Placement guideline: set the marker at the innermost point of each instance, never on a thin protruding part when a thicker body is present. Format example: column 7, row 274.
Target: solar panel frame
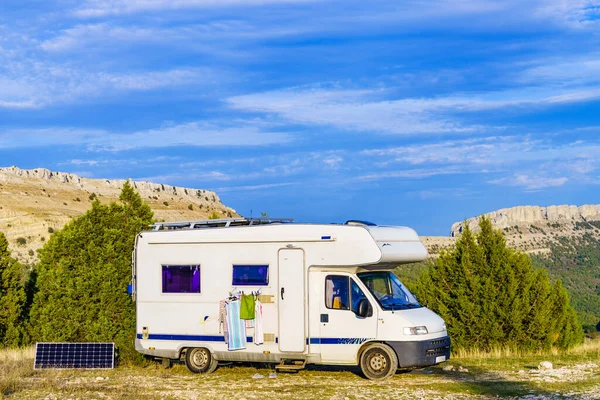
column 84, row 355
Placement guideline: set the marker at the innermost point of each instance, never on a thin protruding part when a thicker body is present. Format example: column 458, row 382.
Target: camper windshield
column 388, row 290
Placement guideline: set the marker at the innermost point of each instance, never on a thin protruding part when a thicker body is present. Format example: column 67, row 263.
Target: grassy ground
column 576, row 374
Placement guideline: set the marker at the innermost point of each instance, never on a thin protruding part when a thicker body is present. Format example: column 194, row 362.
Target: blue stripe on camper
column 338, row 340
column 249, row 339
column 199, row 338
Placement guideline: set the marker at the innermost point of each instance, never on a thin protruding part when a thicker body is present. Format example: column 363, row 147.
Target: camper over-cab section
column 270, row 290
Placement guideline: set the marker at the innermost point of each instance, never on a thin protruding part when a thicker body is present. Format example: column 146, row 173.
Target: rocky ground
column 571, row 376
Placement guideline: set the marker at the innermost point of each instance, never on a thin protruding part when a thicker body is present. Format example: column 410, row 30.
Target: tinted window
column 181, row 279
column 336, row 292
column 250, row 275
column 356, row 295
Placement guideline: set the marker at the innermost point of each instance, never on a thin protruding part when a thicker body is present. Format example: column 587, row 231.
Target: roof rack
column 218, row 223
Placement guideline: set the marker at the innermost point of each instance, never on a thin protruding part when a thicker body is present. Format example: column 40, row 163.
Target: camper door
column 342, row 330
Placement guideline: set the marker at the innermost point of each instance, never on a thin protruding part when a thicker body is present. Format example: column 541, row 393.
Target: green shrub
column 83, row 274
column 491, row 296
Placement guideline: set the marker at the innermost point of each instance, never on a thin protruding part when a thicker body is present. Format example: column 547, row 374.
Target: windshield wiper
column 404, row 306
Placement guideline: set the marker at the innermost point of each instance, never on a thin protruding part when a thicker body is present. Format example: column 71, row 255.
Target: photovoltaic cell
column 74, row 355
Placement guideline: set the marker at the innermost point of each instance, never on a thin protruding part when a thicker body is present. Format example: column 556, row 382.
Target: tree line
column 488, row 294
column 78, row 290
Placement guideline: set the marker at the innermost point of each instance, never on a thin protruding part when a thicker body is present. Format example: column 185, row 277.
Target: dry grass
column 15, row 364
column 494, row 375
column 589, row 346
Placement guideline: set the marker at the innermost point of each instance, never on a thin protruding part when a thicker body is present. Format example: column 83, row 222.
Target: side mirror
column 364, row 309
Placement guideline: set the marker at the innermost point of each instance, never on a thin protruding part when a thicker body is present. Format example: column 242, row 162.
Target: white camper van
column 265, row 290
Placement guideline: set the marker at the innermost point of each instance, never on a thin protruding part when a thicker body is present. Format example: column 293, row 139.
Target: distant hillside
column 34, row 203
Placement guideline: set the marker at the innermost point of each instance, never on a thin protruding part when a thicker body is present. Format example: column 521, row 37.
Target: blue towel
column 236, row 328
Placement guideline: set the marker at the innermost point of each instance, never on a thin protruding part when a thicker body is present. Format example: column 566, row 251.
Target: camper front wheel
column 378, row 361
column 200, row 361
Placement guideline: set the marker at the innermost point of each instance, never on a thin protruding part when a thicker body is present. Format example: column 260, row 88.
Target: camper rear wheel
column 200, row 361
column 378, row 361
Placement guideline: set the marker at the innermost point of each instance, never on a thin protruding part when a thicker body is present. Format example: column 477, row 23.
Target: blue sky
column 417, row 113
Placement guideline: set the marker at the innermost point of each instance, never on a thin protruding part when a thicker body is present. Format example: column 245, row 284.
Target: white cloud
column 100, row 8
column 253, row 187
column 36, row 84
column 196, row 134
column 364, row 110
column 531, row 182
column 214, row 38
column 577, row 72
column 420, row 173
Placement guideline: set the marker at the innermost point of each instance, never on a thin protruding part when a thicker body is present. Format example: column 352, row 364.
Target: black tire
column 378, row 362
column 200, row 361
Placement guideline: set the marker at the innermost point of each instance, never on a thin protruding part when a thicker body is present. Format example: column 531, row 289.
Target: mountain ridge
column 35, row 202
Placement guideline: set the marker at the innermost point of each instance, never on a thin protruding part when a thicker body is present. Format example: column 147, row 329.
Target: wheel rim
column 378, row 362
column 200, row 358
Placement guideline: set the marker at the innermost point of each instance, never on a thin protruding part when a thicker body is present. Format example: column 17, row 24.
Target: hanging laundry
column 249, row 323
column 235, row 327
column 259, row 336
column 247, row 306
column 223, row 319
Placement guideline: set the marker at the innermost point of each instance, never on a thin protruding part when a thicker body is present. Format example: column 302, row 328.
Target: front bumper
column 421, row 353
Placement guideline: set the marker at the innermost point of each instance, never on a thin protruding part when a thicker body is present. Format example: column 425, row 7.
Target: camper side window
column 181, row 279
column 250, row 275
column 336, row 292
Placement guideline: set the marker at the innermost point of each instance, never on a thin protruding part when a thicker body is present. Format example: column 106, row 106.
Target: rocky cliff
column 34, row 203
column 533, row 215
column 531, row 229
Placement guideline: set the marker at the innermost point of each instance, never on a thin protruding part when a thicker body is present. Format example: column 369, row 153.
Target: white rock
column 448, row 368
column 545, row 365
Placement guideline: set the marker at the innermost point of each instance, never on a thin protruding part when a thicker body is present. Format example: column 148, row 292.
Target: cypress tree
column 491, row 296
column 12, row 297
column 83, row 274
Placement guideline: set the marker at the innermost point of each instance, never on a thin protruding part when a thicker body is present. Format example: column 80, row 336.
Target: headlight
column 444, row 327
column 416, row 330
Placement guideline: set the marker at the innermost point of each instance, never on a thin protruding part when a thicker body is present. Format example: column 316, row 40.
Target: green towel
column 247, row 307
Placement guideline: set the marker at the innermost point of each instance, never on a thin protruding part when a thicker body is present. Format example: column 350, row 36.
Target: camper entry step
column 291, row 365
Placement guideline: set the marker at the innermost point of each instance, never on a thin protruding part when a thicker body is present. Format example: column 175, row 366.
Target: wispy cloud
column 253, row 187
column 100, row 8
column 195, row 134
column 212, row 38
column 365, row 110
column 35, row 85
column 531, row 182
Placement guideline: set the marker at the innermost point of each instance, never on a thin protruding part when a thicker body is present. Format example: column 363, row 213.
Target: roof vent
column 359, row 223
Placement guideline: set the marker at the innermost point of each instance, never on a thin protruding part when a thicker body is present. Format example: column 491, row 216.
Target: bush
column 21, row 241
column 491, row 296
column 83, row 274
column 12, row 298
column 191, row 207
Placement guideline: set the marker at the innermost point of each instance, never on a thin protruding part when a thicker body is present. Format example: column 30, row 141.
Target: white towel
column 259, row 336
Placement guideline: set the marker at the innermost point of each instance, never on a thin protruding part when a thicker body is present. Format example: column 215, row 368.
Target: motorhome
column 275, row 291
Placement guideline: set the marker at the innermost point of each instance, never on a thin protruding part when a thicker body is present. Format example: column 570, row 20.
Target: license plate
column 440, row 359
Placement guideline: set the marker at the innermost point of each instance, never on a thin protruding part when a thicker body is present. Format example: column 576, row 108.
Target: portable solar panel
column 74, row 355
